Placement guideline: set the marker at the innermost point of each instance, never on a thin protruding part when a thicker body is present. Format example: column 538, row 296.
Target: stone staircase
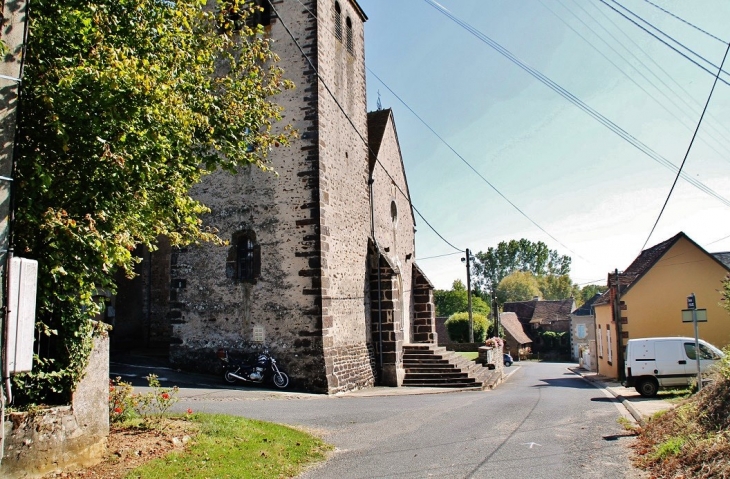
column 428, row 365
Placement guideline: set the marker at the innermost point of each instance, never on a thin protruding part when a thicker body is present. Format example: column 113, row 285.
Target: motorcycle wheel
column 281, row 380
column 229, row 379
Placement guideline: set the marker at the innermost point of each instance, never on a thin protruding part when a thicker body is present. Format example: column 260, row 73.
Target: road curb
column 638, row 417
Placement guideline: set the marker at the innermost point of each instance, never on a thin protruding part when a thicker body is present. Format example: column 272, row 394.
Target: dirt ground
column 130, row 448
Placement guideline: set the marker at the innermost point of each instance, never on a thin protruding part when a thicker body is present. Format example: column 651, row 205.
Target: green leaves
column 126, row 104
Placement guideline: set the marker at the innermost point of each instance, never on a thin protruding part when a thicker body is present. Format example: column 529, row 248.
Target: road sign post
column 692, row 305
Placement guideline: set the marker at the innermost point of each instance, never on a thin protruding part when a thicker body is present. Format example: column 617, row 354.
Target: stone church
column 320, row 266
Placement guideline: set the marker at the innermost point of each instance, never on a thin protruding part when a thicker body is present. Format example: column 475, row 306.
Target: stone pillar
column 384, row 314
column 424, row 310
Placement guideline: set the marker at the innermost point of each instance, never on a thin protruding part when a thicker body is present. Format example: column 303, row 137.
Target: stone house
column 515, row 339
column 538, row 316
column 647, row 299
column 320, row 266
column 583, row 328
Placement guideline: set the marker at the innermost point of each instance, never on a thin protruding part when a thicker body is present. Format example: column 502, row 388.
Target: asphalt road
column 544, row 421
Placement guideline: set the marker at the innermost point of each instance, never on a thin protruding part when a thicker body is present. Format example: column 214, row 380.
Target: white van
column 652, row 363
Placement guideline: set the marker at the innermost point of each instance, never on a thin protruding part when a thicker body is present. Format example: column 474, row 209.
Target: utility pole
column 468, row 293
column 619, row 330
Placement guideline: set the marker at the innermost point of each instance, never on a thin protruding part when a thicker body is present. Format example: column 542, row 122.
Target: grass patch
column 236, row 447
column 470, row 355
column 670, row 447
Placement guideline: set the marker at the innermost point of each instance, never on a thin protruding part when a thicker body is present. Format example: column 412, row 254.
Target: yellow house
column 653, row 292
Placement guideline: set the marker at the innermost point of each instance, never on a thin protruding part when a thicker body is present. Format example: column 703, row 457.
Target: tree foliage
column 457, row 327
column 554, row 287
column 590, row 290
column 518, row 286
column 457, row 301
column 492, row 266
column 125, row 105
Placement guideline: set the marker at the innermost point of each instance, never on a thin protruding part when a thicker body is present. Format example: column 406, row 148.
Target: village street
column 544, row 421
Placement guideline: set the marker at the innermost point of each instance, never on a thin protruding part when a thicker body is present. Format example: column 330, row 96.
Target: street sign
column 691, row 304
column 701, row 315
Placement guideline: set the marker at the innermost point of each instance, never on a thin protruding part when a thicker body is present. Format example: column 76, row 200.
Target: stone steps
column 428, row 365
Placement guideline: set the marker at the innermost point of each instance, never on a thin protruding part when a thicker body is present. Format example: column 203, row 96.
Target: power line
column 717, row 241
column 676, row 178
column 665, row 43
column 577, row 102
column 635, row 46
column 448, row 145
column 352, row 124
column 440, row 256
column 682, row 121
column 686, row 22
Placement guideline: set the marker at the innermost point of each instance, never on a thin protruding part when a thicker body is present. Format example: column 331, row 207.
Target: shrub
column 152, row 406
column 458, row 327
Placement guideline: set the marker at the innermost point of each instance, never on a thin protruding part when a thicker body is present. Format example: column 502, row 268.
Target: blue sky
column 594, row 192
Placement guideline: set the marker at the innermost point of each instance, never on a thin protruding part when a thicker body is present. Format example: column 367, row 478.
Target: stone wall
column 61, row 437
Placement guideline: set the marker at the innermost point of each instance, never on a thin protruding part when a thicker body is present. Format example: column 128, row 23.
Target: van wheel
column 647, row 387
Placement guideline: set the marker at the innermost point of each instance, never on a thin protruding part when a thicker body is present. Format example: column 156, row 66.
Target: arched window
column 338, row 21
column 248, row 257
column 350, row 46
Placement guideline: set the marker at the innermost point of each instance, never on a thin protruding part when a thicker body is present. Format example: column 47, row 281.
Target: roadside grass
column 693, row 438
column 470, row 355
column 236, row 447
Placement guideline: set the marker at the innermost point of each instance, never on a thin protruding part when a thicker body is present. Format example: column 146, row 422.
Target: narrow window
column 338, row 21
column 248, row 258
column 608, row 346
column 599, row 338
column 350, row 47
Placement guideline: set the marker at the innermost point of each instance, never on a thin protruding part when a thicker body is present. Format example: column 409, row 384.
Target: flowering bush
column 121, row 401
column 495, row 342
column 151, row 406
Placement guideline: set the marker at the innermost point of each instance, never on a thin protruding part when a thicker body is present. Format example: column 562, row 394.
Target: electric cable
column 694, row 108
column 578, row 102
column 676, row 178
column 448, row 145
column 686, row 22
column 689, row 125
column 352, row 124
column 662, row 41
column 718, row 240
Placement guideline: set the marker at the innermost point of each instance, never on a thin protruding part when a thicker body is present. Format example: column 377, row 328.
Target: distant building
column 538, row 316
column 583, row 329
column 515, row 339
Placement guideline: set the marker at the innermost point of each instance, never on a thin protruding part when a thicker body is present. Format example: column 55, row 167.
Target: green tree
column 492, row 266
column 125, row 105
column 517, row 286
column 456, row 301
column 554, row 287
column 590, row 290
column 458, row 327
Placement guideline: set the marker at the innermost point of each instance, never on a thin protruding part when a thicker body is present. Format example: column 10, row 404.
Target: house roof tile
column 513, row 327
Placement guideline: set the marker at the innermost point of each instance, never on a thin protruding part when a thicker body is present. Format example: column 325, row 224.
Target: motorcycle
column 263, row 369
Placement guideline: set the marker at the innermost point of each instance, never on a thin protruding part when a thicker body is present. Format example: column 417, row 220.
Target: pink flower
column 190, row 411
column 165, row 396
column 118, row 410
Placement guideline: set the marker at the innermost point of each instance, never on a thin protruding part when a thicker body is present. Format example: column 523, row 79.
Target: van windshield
column 705, row 352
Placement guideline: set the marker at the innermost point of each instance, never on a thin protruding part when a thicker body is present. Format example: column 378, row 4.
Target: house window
column 599, row 338
column 252, row 12
column 261, row 14
column 350, row 46
column 338, row 21
column 609, row 349
column 248, row 258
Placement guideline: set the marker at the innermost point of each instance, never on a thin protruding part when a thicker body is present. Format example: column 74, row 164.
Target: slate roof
column 541, row 312
column 513, row 327
column 377, row 121
column 723, row 258
column 586, row 308
column 647, row 259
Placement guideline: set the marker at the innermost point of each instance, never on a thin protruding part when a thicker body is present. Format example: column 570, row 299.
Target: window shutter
column 256, row 261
